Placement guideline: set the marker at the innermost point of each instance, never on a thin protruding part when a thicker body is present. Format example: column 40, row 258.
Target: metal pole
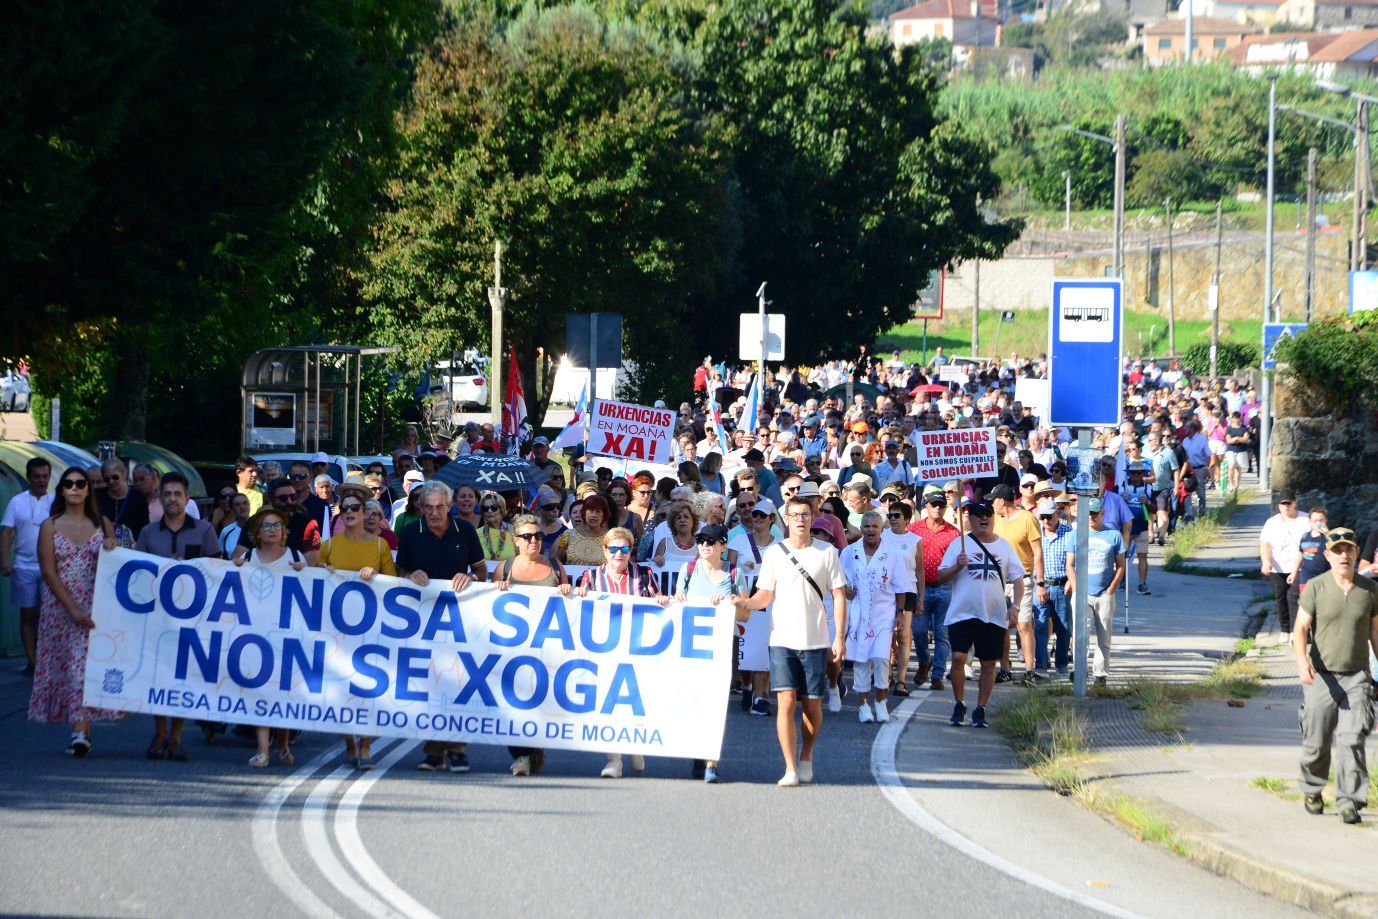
column 497, row 302
column 1190, row 37
column 765, row 337
column 1067, row 219
column 1361, row 168
column 1080, row 608
column 976, row 314
column 1171, row 289
column 1310, row 232
column 925, row 343
column 1266, row 416
column 1119, row 196
column 1214, row 295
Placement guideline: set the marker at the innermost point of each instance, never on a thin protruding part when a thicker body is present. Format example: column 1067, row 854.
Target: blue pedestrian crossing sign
column 1273, row 332
column 1085, row 352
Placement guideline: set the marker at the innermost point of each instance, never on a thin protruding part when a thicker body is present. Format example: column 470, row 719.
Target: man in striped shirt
column 1050, row 599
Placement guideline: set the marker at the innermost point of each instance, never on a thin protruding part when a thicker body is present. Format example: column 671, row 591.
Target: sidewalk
column 1202, row 783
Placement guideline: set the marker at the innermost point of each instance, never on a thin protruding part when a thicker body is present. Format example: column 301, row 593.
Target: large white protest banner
column 632, row 432
column 964, row 453
column 326, row 651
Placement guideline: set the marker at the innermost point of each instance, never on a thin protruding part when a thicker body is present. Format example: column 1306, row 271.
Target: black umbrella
column 492, row 471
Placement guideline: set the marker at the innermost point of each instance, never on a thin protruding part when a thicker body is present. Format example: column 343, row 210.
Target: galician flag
column 573, row 434
column 514, row 405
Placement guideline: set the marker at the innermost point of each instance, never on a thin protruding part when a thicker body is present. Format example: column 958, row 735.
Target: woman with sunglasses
column 374, row 523
column 69, row 543
column 642, row 504
column 268, row 533
column 494, row 535
column 530, row 567
column 582, row 543
column 617, row 575
column 705, row 576
column 221, row 513
column 377, row 484
column 355, row 549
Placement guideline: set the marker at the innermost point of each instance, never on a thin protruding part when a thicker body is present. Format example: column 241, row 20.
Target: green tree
column 1090, row 163
column 567, row 138
column 851, row 186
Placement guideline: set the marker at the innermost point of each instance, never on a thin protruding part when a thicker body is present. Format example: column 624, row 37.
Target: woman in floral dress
column 69, row 543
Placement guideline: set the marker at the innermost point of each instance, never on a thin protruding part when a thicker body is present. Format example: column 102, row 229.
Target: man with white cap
column 540, row 453
column 410, row 480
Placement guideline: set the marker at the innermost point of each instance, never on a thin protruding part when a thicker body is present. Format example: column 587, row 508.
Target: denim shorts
column 804, row 673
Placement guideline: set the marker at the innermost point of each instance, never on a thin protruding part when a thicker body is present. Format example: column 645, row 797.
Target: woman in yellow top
column 355, row 549
column 495, row 535
column 582, row 544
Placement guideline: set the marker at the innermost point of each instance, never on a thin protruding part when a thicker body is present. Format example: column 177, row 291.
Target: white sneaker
column 806, row 772
column 863, row 713
column 521, row 765
column 788, row 780
column 834, row 700
column 882, row 712
column 637, row 762
column 613, row 770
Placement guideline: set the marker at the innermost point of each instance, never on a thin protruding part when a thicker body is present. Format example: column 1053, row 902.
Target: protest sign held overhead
column 965, row 453
column 634, row 432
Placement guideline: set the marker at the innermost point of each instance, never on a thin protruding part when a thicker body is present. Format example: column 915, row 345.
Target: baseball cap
column 935, row 497
column 541, row 440
column 1046, row 508
column 713, row 532
column 1028, row 478
column 897, row 490
column 413, row 475
column 320, row 458
column 754, row 456
column 660, row 403
column 1093, row 506
column 978, row 508
column 860, row 427
column 1000, row 491
column 1340, row 536
column 765, row 506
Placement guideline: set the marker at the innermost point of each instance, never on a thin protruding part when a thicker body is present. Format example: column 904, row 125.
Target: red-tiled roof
column 1314, row 42
column 1201, row 25
column 947, row 9
column 1345, row 45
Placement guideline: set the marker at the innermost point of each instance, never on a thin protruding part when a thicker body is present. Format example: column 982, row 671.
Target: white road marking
column 352, row 844
column 318, row 846
column 268, row 850
column 890, row 784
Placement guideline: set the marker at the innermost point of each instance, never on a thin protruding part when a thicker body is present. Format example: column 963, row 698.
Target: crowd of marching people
column 794, row 497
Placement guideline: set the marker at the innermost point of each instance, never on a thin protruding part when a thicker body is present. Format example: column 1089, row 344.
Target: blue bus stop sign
column 1273, row 332
column 1085, row 344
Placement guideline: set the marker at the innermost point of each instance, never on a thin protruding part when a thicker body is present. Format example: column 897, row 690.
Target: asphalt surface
column 117, row 835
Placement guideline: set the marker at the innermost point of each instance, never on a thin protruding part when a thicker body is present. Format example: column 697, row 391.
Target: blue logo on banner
column 113, row 682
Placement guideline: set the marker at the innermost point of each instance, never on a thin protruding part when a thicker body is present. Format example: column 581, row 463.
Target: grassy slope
column 1145, row 333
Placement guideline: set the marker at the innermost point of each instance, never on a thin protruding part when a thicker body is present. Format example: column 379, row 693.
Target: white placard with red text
column 632, row 432
column 964, row 453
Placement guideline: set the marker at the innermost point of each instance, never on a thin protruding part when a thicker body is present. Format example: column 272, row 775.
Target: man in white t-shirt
column 798, row 570
column 978, row 566
column 24, row 515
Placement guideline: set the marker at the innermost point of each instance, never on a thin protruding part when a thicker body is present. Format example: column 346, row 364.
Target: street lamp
column 1117, row 142
column 1358, row 254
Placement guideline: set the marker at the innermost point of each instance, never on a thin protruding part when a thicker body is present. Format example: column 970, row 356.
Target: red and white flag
column 513, row 405
column 573, row 434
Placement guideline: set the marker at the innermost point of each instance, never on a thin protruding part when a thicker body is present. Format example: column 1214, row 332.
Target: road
column 117, row 835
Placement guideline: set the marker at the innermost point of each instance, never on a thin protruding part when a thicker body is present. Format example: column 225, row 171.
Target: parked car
column 14, row 392
column 464, row 380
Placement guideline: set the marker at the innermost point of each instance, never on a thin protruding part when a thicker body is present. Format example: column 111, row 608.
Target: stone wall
column 1017, row 283
column 1328, row 455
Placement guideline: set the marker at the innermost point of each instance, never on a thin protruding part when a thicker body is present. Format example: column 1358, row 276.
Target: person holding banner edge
column 799, row 641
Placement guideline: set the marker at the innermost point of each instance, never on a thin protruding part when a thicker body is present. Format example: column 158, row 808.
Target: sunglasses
column 618, row 550
column 299, row 476
column 225, row 496
column 491, row 508
column 893, row 516
column 1027, row 485
column 761, row 514
column 350, row 508
column 550, row 507
column 74, row 484
column 287, row 497
column 529, row 537
column 708, row 542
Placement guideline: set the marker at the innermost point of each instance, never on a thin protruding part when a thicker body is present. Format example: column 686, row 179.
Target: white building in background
column 964, row 23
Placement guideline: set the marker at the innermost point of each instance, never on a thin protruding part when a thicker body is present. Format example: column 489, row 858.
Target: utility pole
column 976, row 313
column 1067, row 221
column 1265, row 423
column 1310, row 232
column 1213, row 296
column 1359, row 255
column 497, row 301
column 1119, row 197
column 765, row 335
column 1171, row 288
column 1191, row 39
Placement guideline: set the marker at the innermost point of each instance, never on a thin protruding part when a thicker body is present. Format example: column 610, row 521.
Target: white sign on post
column 749, row 337
column 952, row 373
column 633, row 432
column 966, row 453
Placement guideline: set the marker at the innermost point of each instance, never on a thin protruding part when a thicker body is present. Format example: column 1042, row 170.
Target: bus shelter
column 304, row 398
